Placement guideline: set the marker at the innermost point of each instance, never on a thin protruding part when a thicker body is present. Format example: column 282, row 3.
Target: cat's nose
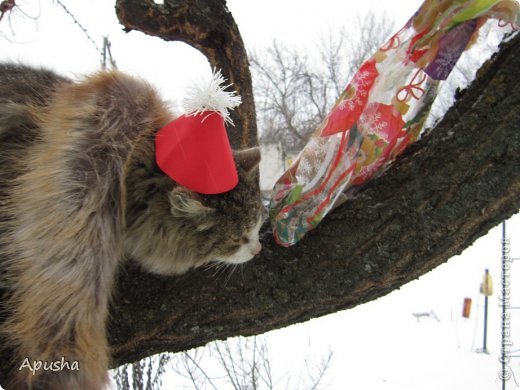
column 257, row 249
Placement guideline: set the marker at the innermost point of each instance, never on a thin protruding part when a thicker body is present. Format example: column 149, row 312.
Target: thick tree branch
column 446, row 191
column 208, row 26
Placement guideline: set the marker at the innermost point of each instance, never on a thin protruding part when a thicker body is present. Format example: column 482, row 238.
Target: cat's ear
column 186, row 204
column 248, row 159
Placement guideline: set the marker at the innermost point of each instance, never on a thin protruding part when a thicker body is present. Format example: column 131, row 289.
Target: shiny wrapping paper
column 381, row 111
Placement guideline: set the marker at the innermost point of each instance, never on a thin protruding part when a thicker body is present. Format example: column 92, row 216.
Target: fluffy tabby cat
column 79, row 192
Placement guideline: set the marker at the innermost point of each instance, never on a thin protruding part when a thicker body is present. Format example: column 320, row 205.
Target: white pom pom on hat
column 211, row 96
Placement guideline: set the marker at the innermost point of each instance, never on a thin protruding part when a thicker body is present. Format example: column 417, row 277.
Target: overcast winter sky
column 378, row 345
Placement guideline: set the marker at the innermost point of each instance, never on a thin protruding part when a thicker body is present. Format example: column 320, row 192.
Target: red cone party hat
column 194, row 149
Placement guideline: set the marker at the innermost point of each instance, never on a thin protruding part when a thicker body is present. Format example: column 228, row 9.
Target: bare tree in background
column 238, row 364
column 294, row 91
column 244, row 364
column 145, row 374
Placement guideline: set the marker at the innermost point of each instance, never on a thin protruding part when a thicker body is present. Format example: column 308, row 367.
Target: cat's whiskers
column 232, row 268
column 217, row 267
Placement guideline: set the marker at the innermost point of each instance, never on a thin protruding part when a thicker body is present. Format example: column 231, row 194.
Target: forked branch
column 208, row 26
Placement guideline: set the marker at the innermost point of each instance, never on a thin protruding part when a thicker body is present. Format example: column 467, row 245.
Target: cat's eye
column 234, row 248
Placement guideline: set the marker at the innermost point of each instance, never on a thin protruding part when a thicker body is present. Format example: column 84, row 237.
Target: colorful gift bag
column 381, row 111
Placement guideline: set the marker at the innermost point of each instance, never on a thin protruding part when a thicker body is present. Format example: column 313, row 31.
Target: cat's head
column 185, row 229
column 230, row 221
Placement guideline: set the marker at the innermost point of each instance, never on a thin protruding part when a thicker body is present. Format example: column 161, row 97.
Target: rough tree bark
column 446, row 191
